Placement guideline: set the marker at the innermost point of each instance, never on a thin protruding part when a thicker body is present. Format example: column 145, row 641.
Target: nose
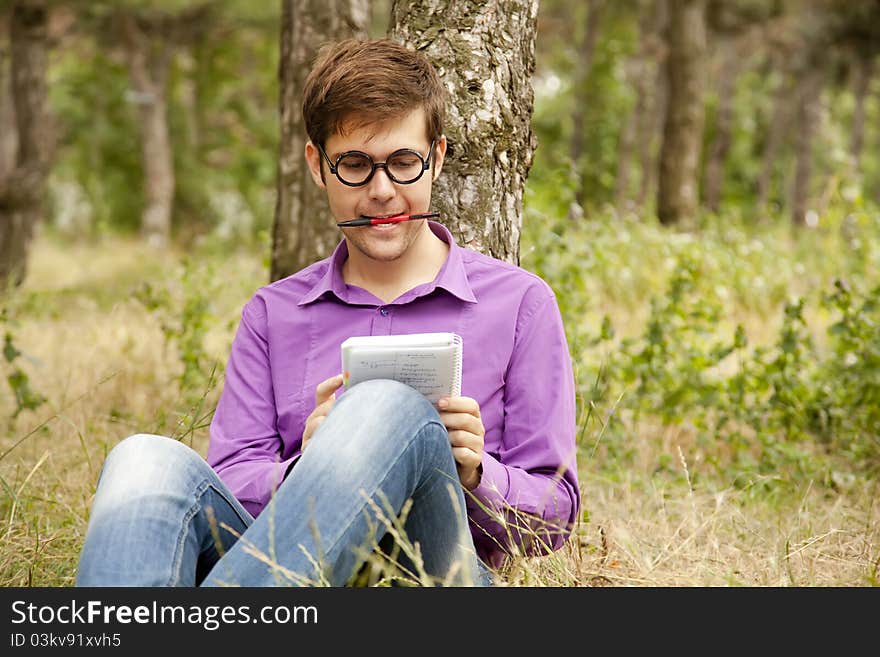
column 381, row 187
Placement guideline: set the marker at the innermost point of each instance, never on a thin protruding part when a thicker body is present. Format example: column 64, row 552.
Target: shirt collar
column 452, row 276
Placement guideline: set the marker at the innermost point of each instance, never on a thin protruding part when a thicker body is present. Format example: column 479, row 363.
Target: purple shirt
column 516, row 365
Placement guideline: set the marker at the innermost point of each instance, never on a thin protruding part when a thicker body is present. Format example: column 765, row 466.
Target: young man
column 304, row 480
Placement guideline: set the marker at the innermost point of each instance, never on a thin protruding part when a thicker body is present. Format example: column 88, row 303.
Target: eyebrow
column 334, row 155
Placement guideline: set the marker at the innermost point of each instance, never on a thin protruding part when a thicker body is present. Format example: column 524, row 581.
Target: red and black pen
column 396, row 219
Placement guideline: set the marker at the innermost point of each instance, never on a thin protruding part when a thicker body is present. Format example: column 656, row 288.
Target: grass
column 660, row 517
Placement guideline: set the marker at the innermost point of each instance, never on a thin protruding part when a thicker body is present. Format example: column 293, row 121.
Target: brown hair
column 356, row 83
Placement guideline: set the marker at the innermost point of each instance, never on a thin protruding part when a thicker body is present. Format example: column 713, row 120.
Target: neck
column 387, row 280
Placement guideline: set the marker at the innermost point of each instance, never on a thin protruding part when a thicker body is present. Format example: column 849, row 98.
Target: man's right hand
column 325, row 397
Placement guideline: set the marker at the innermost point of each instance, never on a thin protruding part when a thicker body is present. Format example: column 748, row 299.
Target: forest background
column 704, row 198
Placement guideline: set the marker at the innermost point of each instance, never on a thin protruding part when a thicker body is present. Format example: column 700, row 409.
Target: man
column 307, row 480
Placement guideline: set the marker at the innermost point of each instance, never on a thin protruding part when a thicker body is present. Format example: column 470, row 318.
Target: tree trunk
column 148, row 65
column 722, row 138
column 23, row 188
column 8, row 135
column 776, row 133
column 806, row 120
column 651, row 105
column 638, row 131
column 485, row 54
column 304, row 230
column 625, row 148
column 683, row 129
column 864, row 72
column 188, row 96
column 586, row 49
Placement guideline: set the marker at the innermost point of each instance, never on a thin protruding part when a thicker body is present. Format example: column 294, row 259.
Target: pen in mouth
column 363, row 220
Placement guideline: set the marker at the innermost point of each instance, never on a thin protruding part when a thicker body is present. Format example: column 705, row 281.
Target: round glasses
column 404, row 166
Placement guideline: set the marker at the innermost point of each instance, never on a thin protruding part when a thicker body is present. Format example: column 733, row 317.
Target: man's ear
column 313, row 159
column 439, row 156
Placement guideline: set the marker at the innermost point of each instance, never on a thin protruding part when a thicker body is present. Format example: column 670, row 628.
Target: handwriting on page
column 429, row 372
column 422, row 371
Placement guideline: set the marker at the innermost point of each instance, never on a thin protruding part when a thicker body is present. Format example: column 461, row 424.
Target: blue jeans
column 379, row 470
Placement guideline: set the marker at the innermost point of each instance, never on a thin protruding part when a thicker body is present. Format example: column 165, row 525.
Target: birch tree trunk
column 485, row 55
column 23, row 187
column 304, row 230
column 148, row 65
column 677, row 196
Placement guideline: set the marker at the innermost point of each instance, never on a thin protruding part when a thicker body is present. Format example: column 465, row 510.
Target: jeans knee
column 388, row 397
column 382, row 413
column 144, row 460
column 142, row 449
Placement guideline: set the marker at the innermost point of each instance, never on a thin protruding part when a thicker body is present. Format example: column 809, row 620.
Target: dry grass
column 102, row 362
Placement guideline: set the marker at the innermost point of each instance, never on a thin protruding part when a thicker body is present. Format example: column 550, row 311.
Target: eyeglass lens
column 402, row 167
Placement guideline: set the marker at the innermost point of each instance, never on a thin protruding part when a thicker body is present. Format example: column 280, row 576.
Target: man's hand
column 325, row 397
column 461, row 415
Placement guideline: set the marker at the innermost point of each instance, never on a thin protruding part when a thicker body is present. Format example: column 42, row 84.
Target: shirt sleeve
column 528, row 497
column 245, row 448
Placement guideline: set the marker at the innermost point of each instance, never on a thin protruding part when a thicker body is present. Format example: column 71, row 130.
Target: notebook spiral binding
column 456, row 386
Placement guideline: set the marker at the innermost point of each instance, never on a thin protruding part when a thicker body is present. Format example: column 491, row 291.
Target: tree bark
column 148, row 64
column 188, row 95
column 677, row 196
column 641, row 127
column 586, row 49
column 8, row 135
column 625, row 148
column 776, row 133
column 864, row 73
column 651, row 104
column 23, row 188
column 806, row 120
column 722, row 138
column 304, row 230
column 485, row 55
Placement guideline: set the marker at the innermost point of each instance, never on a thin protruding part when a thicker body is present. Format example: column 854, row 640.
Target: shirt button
column 384, row 312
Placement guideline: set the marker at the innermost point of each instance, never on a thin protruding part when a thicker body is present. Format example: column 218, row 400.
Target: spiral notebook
column 428, row 362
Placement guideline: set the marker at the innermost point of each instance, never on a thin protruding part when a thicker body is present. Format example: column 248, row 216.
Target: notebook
column 428, row 362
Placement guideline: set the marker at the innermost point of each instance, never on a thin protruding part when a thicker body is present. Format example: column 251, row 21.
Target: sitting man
column 305, row 480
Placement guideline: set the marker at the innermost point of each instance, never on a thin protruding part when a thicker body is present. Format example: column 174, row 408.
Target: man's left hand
column 461, row 415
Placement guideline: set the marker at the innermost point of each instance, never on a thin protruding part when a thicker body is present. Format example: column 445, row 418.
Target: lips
column 385, row 216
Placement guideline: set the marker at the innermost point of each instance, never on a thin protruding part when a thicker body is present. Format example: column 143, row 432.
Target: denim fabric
column 162, row 517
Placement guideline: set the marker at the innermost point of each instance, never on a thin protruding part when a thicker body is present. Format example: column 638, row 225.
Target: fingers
column 320, row 411
column 462, row 422
column 467, row 450
column 461, row 416
column 466, row 458
column 325, row 397
column 466, row 439
column 326, row 388
column 467, row 462
column 312, row 425
column 324, row 407
column 459, row 405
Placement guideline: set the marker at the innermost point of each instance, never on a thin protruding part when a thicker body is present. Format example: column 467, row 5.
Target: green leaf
column 10, row 353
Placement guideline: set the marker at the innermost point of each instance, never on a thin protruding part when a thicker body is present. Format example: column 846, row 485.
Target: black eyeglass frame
column 426, row 165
